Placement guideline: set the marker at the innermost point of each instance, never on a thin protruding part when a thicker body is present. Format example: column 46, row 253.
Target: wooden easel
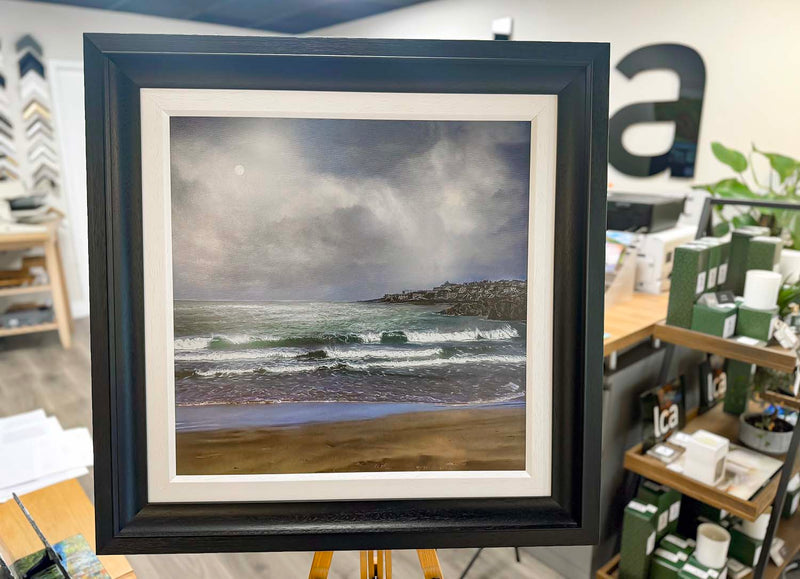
column 377, row 564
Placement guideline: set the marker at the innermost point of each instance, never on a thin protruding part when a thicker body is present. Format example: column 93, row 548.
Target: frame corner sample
column 345, row 293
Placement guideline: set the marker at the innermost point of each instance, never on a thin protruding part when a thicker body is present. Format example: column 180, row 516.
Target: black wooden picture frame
column 117, row 66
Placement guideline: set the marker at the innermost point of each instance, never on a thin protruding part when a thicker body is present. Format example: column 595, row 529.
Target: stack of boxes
column 658, row 522
column 729, row 289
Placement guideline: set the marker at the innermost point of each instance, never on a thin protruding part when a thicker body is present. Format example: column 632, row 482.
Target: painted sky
column 303, row 209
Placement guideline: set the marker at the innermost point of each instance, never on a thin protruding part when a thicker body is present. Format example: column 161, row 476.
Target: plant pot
column 768, row 442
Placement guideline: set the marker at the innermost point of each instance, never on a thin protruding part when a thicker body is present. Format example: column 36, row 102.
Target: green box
column 724, row 260
column 676, row 543
column 717, row 320
column 756, row 324
column 737, row 262
column 739, row 376
column 665, row 564
column 687, row 282
column 638, row 540
column 668, row 503
column 744, row 549
column 764, row 253
column 694, row 569
column 714, row 258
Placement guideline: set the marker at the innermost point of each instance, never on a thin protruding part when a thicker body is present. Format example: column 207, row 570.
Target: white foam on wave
column 505, row 332
column 222, row 372
column 489, row 359
column 191, row 343
column 418, row 363
column 392, row 354
column 232, row 355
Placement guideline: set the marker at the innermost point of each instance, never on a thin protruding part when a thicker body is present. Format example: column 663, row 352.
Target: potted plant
column 781, row 183
column 765, row 431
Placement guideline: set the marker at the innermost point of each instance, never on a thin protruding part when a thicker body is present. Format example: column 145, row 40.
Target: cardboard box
column 764, row 252
column 693, row 569
column 665, row 564
column 744, row 549
column 705, row 456
column 719, row 320
column 724, row 259
column 638, row 540
column 668, row 503
column 737, row 263
column 756, row 324
column 714, row 245
column 739, row 378
column 688, row 282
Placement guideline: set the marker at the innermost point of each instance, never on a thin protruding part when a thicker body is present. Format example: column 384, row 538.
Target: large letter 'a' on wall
column 684, row 112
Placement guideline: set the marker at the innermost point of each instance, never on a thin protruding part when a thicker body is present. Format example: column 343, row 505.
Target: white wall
column 59, row 29
column 751, row 52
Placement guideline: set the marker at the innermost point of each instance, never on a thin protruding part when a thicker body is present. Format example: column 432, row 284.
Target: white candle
column 761, row 289
column 790, row 265
column 712, row 545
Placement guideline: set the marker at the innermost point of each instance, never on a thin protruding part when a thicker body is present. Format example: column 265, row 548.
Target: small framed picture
column 346, row 293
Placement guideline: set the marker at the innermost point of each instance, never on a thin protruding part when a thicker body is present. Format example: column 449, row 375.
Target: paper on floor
column 35, row 451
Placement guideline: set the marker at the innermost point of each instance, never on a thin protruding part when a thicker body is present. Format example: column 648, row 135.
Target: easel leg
column 429, row 561
column 321, row 565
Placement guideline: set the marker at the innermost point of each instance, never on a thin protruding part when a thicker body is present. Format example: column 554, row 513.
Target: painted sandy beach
column 336, row 387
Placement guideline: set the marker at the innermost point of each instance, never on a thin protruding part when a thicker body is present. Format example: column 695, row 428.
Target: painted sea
column 251, row 364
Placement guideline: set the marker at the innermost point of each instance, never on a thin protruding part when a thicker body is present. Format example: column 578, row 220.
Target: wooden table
column 61, row 510
column 47, row 239
column 632, row 321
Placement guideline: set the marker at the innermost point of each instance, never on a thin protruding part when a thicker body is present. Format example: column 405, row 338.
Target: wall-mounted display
column 346, row 294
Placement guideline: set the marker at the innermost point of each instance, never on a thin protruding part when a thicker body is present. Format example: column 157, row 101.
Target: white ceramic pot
column 763, row 440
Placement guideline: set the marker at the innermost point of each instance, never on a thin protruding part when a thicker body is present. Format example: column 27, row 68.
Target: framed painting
column 346, row 294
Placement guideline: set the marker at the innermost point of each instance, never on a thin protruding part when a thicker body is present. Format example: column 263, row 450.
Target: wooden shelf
column 610, row 569
column 28, row 329
column 725, row 425
column 773, row 357
column 28, row 289
column 632, row 321
column 789, row 402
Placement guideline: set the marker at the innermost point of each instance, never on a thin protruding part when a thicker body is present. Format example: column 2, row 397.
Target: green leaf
column 731, row 157
column 742, row 220
column 784, row 166
column 721, row 229
column 730, row 189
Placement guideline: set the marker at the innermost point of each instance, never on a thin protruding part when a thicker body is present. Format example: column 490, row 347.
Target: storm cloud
column 275, row 209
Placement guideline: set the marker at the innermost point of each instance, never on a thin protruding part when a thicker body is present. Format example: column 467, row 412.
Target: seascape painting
column 349, row 295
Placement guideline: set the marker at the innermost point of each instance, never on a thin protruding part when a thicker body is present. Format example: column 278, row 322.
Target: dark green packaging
column 724, row 260
column 743, row 548
column 668, row 503
column 694, row 569
column 665, row 564
column 719, row 320
column 764, row 253
column 756, row 324
column 739, row 377
column 714, row 258
column 737, row 263
column 688, row 281
column 638, row 540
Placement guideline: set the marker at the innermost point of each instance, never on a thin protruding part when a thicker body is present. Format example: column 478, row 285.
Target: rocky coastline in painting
column 495, row 300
